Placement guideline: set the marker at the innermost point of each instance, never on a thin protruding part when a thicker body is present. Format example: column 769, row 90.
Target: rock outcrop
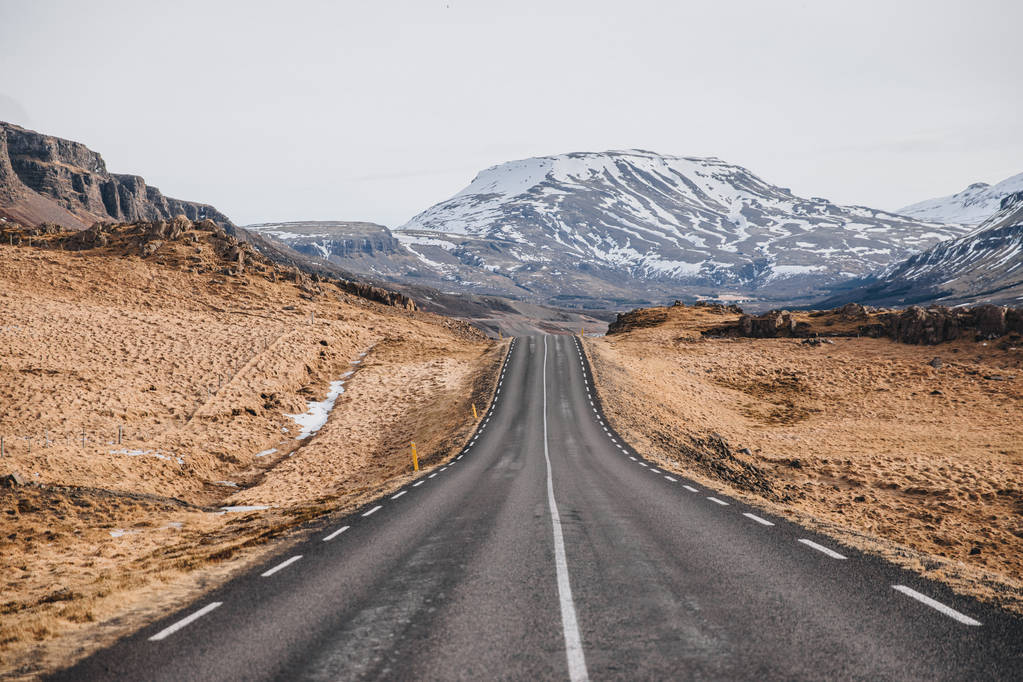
column 50, row 179
column 914, row 325
column 179, row 242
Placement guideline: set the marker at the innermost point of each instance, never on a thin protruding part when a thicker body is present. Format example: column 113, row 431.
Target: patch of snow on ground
column 313, row 419
column 316, row 416
column 246, row 508
column 152, row 453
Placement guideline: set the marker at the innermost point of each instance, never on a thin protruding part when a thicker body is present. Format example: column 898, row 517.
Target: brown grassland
column 864, row 439
column 198, row 363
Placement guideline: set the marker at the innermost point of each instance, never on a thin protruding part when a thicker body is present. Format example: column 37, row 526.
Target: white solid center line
column 171, row 629
column 821, row 548
column 281, row 566
column 936, row 605
column 762, row 522
column 573, row 640
column 375, row 509
column 333, row 535
column 673, row 480
column 717, row 501
column 690, row 488
column 394, row 497
column 418, row 483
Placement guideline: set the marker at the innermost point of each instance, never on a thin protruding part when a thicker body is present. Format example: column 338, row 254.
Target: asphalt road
column 550, row 550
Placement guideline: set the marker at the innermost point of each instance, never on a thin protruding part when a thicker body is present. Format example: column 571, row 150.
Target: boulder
column 1014, row 320
column 149, row 248
column 12, row 480
column 990, row 321
column 851, row 311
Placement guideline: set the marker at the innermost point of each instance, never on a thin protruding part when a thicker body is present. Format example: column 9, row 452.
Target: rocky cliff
column 49, row 179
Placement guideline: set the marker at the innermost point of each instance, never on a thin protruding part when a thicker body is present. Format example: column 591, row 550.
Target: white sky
column 376, row 109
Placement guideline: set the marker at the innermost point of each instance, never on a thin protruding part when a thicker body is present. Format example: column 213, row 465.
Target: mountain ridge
column 44, row 178
column 661, row 225
column 971, row 206
column 983, row 266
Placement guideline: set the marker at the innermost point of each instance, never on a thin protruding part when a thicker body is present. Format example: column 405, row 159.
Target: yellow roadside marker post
column 415, row 458
column 475, row 415
column 582, row 331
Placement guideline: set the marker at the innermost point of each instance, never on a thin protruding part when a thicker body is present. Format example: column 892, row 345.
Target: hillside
column 972, row 206
column 339, row 248
column 162, row 386
column 50, row 179
column 609, row 228
column 985, row 266
column 911, row 452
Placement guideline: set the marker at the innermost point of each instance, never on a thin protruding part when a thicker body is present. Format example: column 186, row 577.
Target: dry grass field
column 863, row 439
column 195, row 363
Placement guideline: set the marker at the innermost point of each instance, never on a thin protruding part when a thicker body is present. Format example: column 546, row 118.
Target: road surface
column 550, row 550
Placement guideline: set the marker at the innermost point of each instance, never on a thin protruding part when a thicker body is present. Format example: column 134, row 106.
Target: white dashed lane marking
column 170, row 630
column 432, row 475
column 333, row 535
column 717, row 501
column 284, row 564
column 418, row 483
column 762, row 522
column 375, row 509
column 690, row 488
column 821, row 548
column 394, row 497
column 673, row 480
column 936, row 605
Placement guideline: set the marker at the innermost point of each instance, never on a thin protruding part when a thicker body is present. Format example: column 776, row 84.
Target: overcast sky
column 375, row 110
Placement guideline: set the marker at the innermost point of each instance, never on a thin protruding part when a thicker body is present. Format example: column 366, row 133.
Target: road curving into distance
column 549, row 549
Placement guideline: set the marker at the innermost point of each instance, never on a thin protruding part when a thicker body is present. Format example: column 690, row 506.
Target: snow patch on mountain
column 972, row 206
column 650, row 216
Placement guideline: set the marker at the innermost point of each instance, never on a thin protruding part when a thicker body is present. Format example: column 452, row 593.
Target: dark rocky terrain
column 913, row 325
column 50, row 179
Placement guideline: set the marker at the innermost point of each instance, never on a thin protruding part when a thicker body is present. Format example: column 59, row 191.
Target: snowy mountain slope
column 639, row 221
column 984, row 266
column 972, row 206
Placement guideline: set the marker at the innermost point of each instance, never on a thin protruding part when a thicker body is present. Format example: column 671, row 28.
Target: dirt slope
column 867, row 439
column 198, row 355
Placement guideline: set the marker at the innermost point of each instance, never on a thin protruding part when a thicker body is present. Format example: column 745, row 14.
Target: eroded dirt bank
column 914, row 452
column 195, row 357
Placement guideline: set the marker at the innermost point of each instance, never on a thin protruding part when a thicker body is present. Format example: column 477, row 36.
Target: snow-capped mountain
column 614, row 224
column 984, row 266
column 972, row 206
